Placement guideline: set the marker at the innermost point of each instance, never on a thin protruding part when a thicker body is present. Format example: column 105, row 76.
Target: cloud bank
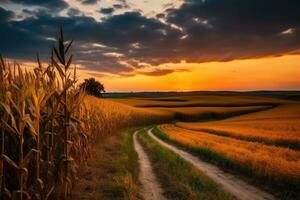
column 197, row 31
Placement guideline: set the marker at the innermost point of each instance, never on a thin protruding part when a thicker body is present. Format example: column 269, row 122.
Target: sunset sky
column 163, row 45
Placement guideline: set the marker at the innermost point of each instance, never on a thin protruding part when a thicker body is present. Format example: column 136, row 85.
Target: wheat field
column 279, row 126
column 268, row 162
column 197, row 100
column 200, row 107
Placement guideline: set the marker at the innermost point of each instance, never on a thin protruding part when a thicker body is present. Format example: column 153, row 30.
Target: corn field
column 41, row 133
column 47, row 125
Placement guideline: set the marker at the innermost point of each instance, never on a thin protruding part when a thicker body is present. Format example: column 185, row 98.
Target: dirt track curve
column 151, row 189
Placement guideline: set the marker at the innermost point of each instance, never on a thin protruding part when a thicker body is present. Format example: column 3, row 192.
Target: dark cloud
column 16, row 42
column 28, row 12
column 124, row 3
column 225, row 30
column 97, row 75
column 198, row 31
column 162, row 72
column 89, row 2
column 5, row 15
column 106, row 65
column 107, row 10
column 158, row 72
column 53, row 4
column 160, row 15
column 73, row 12
column 118, row 6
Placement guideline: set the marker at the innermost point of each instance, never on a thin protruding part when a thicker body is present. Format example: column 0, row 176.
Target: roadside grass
column 282, row 189
column 179, row 179
column 112, row 172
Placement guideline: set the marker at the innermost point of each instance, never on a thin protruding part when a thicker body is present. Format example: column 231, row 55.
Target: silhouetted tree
column 92, row 87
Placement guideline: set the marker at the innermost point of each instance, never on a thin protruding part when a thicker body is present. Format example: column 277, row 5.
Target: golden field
column 111, row 116
column 273, row 163
column 206, row 113
column 279, row 126
column 201, row 107
column 256, row 136
column 197, row 100
column 252, row 125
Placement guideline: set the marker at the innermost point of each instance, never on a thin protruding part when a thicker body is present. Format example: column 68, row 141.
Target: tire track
column 151, row 189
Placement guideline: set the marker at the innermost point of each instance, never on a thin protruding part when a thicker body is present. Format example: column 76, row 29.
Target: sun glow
column 270, row 73
column 250, row 74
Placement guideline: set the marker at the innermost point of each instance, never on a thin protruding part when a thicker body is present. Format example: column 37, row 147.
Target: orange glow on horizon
column 270, row 73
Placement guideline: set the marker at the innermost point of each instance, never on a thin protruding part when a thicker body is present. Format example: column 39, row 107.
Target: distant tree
column 92, row 87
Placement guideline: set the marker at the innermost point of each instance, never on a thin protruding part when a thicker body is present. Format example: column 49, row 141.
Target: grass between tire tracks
column 284, row 190
column 112, row 172
column 179, row 179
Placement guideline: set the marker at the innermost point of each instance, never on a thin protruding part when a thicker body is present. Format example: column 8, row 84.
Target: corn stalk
column 62, row 64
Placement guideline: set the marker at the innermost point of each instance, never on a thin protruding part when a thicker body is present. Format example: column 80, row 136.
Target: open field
column 254, row 136
column 199, row 100
column 278, row 126
column 274, row 165
column 192, row 114
column 202, row 108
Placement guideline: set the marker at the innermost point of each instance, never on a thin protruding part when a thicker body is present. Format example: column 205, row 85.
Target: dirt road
column 151, row 187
